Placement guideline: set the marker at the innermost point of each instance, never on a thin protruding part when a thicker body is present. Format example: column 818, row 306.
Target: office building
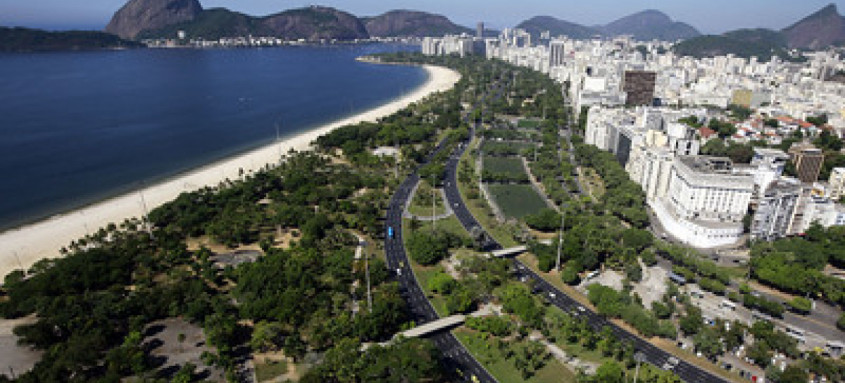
column 808, row 161
column 639, row 87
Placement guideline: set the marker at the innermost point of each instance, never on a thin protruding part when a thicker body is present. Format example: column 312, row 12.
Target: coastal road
column 653, row 354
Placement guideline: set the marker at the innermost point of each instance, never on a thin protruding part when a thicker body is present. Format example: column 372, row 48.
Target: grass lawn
column 507, row 147
column 516, row 201
column 509, row 166
column 449, row 225
column 503, row 369
column 421, row 204
column 480, row 210
column 425, row 273
column 270, row 369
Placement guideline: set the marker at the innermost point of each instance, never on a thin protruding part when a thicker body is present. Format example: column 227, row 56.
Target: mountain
column 34, row 40
column 650, row 25
column 645, row 25
column 817, row 31
column 315, row 23
column 406, row 23
column 309, row 23
column 539, row 24
column 140, row 15
column 211, row 24
column 762, row 43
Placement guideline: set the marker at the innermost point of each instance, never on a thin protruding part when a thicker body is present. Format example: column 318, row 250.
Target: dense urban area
column 594, row 210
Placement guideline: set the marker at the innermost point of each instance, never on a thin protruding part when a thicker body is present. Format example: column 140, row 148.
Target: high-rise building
column 808, row 161
column 776, row 209
column 557, row 53
column 639, row 87
column 479, row 30
column 837, row 184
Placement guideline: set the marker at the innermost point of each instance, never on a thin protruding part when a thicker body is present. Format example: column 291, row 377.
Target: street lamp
column 639, row 357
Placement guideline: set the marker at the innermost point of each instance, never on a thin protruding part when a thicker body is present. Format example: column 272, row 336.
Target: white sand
column 23, row 246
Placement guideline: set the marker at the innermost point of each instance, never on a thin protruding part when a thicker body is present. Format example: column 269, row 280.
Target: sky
column 709, row 16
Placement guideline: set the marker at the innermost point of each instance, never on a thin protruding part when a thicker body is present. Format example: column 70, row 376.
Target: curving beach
column 23, row 246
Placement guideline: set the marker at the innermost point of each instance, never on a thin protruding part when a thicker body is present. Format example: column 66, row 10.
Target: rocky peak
column 818, row 30
column 141, row 15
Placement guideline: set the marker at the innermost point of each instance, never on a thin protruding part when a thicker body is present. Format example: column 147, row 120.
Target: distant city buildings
column 636, row 95
column 448, row 45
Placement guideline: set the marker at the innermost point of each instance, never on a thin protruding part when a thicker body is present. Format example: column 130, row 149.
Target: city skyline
column 716, row 17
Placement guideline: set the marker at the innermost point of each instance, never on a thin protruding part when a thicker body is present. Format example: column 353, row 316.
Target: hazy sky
column 709, row 16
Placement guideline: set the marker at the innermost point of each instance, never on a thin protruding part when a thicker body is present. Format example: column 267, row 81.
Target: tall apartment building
column 657, row 168
column 776, row 209
column 808, row 161
column 639, row 87
column 479, row 30
column 767, row 165
column 557, row 53
column 836, row 184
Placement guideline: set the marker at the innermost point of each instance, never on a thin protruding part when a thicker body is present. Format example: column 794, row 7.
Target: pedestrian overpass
column 508, row 252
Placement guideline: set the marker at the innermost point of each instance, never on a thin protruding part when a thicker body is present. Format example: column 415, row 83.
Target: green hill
column 762, row 43
column 34, row 40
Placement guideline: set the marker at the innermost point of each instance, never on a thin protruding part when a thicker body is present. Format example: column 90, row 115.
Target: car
column 581, row 309
column 673, row 360
column 399, row 272
column 552, row 295
column 475, row 379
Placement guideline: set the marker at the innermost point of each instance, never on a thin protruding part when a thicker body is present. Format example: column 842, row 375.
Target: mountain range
column 646, row 25
column 163, row 18
column 819, row 30
column 139, row 19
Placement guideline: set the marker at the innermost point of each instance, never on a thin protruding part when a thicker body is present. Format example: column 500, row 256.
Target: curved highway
column 456, row 356
column 653, row 354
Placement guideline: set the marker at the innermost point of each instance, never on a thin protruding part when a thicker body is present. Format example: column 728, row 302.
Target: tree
column 841, row 322
column 546, row 220
column 637, row 239
column 793, row 374
column 266, row 336
column 441, row 283
column 801, row 305
column 610, row 372
column 707, row 342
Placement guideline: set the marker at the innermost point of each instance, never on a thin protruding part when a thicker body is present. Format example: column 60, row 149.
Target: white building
column 776, row 209
column 836, row 184
column 706, row 201
column 448, row 45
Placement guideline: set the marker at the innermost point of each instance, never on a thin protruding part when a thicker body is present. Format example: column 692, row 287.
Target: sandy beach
column 23, row 246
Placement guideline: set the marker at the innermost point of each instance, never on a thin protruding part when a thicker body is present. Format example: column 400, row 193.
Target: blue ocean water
column 77, row 127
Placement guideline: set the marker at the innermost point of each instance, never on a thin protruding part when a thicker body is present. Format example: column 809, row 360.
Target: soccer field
column 516, row 201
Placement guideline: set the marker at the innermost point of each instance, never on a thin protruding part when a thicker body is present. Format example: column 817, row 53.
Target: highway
column 653, row 354
column 454, row 353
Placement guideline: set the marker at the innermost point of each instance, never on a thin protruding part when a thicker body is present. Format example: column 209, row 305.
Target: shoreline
column 25, row 245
